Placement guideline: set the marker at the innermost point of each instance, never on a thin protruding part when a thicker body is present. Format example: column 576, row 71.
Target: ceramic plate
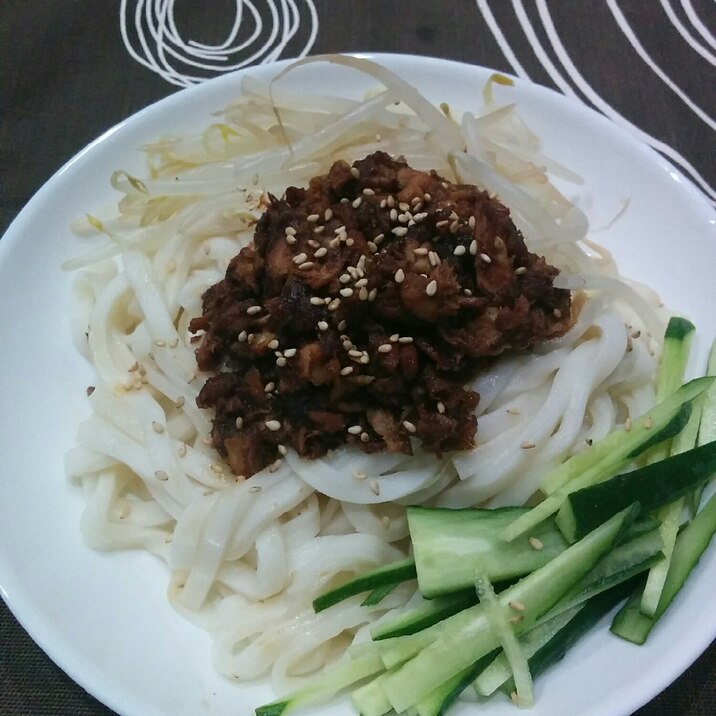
column 104, row 617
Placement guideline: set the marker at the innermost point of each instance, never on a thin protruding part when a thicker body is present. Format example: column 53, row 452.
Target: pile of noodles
column 247, row 558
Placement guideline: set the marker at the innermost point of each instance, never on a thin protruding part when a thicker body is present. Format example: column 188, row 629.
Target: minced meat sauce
column 364, row 306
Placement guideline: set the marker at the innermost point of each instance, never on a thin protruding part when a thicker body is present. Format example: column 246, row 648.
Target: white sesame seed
column 374, row 487
column 291, row 240
column 459, row 250
column 328, row 214
column 379, row 238
column 420, row 251
column 273, row 345
column 403, row 206
column 405, row 339
column 273, row 425
column 427, row 197
column 535, row 543
column 372, row 246
column 354, row 353
column 499, row 243
column 161, row 475
column 521, row 270
column 471, row 222
column 404, row 218
column 345, row 200
column 473, row 247
column 355, row 172
column 282, row 449
column 280, row 361
column 486, row 258
column 400, row 230
column 253, row 310
column 385, row 348
column 358, row 475
column 393, row 214
column 391, row 200
column 355, row 429
column 316, row 301
column 334, row 243
column 361, row 282
column 346, row 292
column 364, row 437
column 299, row 258
column 275, row 465
column 363, row 294
column 269, row 387
column 334, row 304
column 322, row 326
column 467, row 292
column 290, row 352
column 319, row 229
column 372, row 294
column 527, row 445
column 313, row 218
column 409, row 426
column 160, row 343
column 306, row 265
column 157, row 427
column 454, row 226
column 181, row 450
column 347, row 370
column 290, row 231
column 350, row 242
column 440, row 224
column 394, row 338
column 313, row 243
column 342, row 325
column 357, row 202
column 399, row 276
column 180, row 401
column 441, row 407
column 557, row 313
column 432, row 288
column 513, row 411
column 239, row 423
column 320, row 253
column 433, row 258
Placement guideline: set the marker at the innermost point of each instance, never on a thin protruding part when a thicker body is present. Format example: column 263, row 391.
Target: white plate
column 104, row 618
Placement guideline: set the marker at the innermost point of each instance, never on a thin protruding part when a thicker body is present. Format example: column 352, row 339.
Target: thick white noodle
column 248, row 557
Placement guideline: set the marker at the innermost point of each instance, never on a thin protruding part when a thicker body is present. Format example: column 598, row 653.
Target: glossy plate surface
column 104, row 618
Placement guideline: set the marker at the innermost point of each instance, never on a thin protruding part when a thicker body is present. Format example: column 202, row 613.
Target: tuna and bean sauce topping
column 361, row 313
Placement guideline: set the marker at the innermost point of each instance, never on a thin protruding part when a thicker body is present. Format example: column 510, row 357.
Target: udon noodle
column 247, row 558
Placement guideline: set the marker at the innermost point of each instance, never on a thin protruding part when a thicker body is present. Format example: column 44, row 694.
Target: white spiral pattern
column 571, row 82
column 152, row 37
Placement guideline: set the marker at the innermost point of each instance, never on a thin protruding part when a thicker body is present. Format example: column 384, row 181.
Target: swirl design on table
column 567, row 78
column 261, row 32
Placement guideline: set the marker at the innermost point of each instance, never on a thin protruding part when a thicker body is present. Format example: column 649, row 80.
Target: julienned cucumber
column 393, row 573
column 451, row 546
column 691, row 543
column 674, row 412
column 652, row 486
column 663, row 421
column 586, row 617
column 461, row 640
column 424, row 615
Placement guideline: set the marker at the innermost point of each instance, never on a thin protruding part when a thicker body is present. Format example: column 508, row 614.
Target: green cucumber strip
column 378, row 595
column 462, row 639
column 326, row 685
column 707, row 427
column 660, row 423
column 451, row 546
column 677, row 345
column 393, row 573
column 621, row 564
column 370, row 699
column 652, row 486
column 439, row 701
column 586, row 618
column 630, row 623
column 670, row 516
column 424, row 615
column 501, row 621
column 498, row 671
